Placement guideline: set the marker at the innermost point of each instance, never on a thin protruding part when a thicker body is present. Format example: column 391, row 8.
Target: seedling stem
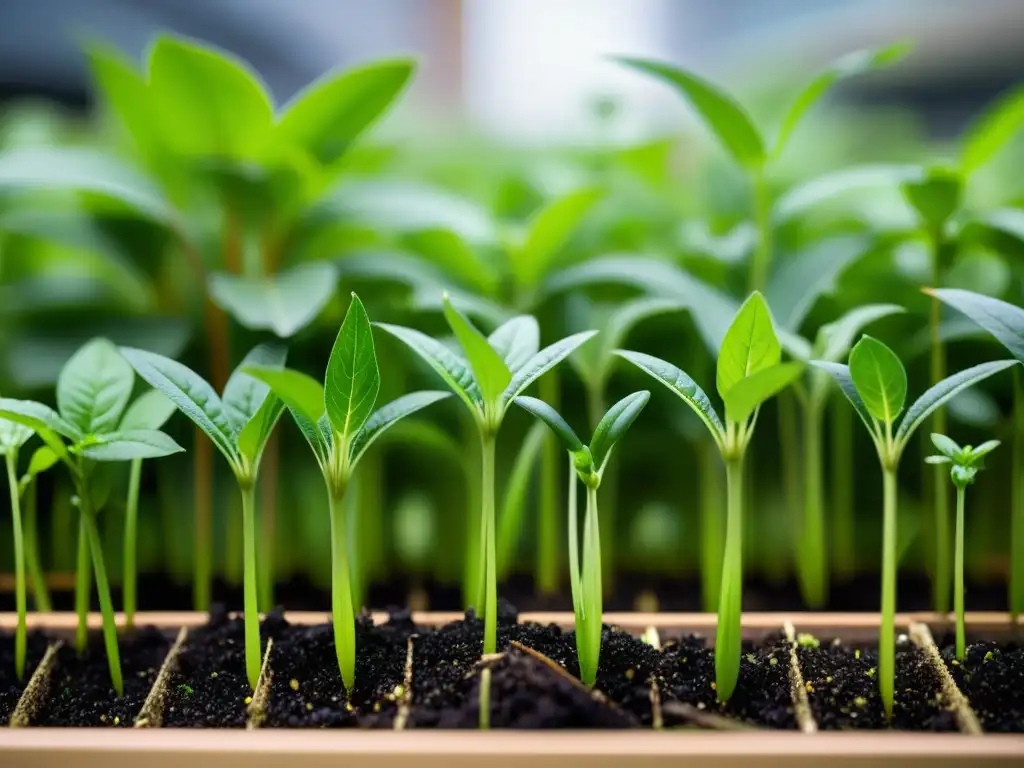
column 21, row 600
column 131, row 522
column 250, row 610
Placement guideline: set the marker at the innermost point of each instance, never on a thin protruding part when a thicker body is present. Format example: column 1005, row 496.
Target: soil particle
column 81, row 693
column 11, row 687
column 842, row 685
column 992, row 677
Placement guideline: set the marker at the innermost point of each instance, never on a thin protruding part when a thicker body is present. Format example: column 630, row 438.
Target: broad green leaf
column 94, row 387
column 125, row 89
column 880, row 379
column 284, row 303
column 721, row 112
column 945, row 445
column 682, row 385
column 150, row 410
column 548, row 233
column 1003, row 320
column 936, row 195
column 13, row 435
column 750, row 345
column 850, row 65
column 836, row 338
column 129, row 445
column 803, row 197
column 448, row 365
column 388, row 415
column 253, row 437
column 304, row 398
column 42, row 420
column 613, row 426
column 207, row 102
column 543, row 362
column 516, row 340
column 329, row 115
column 187, row 390
column 749, row 393
column 244, row 395
column 939, row 394
column 991, row 132
column 353, row 379
column 841, row 375
column 489, row 370
column 513, row 506
column 553, row 419
column 43, row 459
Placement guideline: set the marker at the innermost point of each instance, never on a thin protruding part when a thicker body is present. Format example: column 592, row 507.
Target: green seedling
column 339, row 423
column 43, row 458
column 12, row 437
column 875, row 383
column 92, row 392
column 965, row 463
column 239, row 423
column 498, row 369
column 750, row 371
column 588, row 463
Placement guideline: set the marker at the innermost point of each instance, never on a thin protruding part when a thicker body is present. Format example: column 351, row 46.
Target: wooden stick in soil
column 37, row 691
column 559, row 670
column 797, row 688
column 261, row 694
column 405, row 704
column 709, row 721
column 152, row 713
column 967, row 721
column 653, row 639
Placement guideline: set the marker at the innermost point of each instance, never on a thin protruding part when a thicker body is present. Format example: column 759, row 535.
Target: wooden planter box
column 158, row 747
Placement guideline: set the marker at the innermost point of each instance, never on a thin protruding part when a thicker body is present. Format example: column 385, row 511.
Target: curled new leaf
column 880, row 379
column 613, row 425
column 553, row 419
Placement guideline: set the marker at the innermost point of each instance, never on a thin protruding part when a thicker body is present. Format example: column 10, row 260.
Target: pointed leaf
column 614, row 424
column 991, row 132
column 253, row 437
column 304, row 398
column 744, row 398
column 543, row 362
column 945, row 445
column 750, row 345
column 682, row 385
column 94, row 387
column 37, row 417
column 880, row 379
column 548, row 233
column 489, row 370
column 130, row 445
column 516, row 340
column 721, row 112
column 284, row 303
column 939, row 394
column 353, row 379
column 553, row 419
column 150, row 410
column 388, row 415
column 836, row 338
column 1002, row 320
column 190, row 393
column 244, row 395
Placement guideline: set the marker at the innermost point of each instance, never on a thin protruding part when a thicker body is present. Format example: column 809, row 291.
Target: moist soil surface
column 11, row 687
column 81, row 693
column 991, row 675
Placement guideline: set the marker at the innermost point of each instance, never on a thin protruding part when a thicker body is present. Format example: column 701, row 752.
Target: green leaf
column 984, row 449
column 613, row 426
column 129, row 445
column 936, row 195
column 327, row 116
column 516, row 341
column 850, row 65
column 553, row 419
column 750, row 345
column 448, row 365
column 353, row 379
column 94, row 387
column 682, row 385
column 150, row 410
column 720, row 111
column 387, row 416
column 543, row 362
column 946, row 446
column 937, row 460
column 841, row 374
column 37, row 416
column 1002, row 320
column 190, row 393
column 207, row 102
column 880, row 379
column 803, row 197
column 836, row 338
column 125, row 89
column 489, row 370
column 990, row 132
column 939, row 394
column 513, row 507
column 13, row 435
column 253, row 437
column 548, row 233
column 304, row 398
column 284, row 303
column 43, row 459
column 749, row 393
column 243, row 394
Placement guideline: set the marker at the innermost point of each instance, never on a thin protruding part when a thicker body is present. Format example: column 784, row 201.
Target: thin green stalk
column 958, row 575
column 940, row 477
column 82, row 585
column 131, row 523
column 251, row 614
column 342, row 613
column 709, row 463
column 730, row 607
column 473, row 568
column 592, row 599
column 489, row 550
column 40, row 593
column 789, row 457
column 844, row 550
column 268, row 484
column 1017, row 500
column 811, row 563
column 21, row 597
column 610, row 484
column 548, row 560
column 202, row 467
column 572, row 526
column 106, row 604
column 886, row 638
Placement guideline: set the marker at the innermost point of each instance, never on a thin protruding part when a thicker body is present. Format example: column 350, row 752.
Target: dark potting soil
column 842, row 688
column 11, row 687
column 81, row 693
column 992, row 677
column 762, row 696
column 306, row 689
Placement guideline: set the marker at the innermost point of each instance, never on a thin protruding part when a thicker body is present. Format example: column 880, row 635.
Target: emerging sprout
column 339, row 423
column 589, row 464
column 965, row 463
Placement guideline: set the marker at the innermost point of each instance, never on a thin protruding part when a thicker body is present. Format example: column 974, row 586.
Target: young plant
column 750, row 371
column 239, row 423
column 498, row 369
column 588, row 463
column 339, row 423
column 43, row 458
column 875, row 383
column 965, row 464
column 12, row 437
column 92, row 392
